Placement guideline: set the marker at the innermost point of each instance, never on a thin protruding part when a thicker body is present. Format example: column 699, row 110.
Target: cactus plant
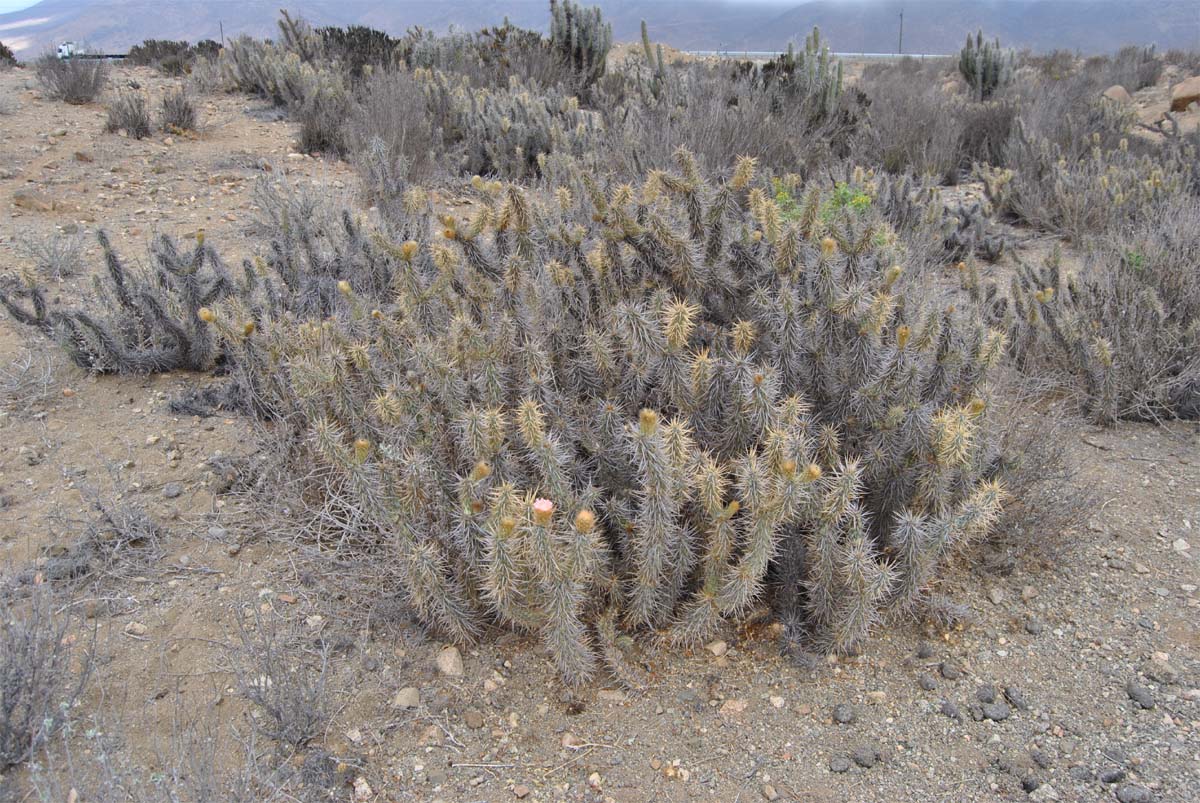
column 985, row 66
column 581, row 37
column 641, row 411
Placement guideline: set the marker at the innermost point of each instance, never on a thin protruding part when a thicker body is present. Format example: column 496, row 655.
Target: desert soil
column 1059, row 634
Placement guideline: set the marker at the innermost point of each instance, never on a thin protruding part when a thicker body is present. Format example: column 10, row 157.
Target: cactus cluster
column 136, row 322
column 985, row 66
column 1102, row 190
column 645, row 410
column 1125, row 331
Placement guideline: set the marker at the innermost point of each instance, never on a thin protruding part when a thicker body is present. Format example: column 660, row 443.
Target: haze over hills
column 930, row 26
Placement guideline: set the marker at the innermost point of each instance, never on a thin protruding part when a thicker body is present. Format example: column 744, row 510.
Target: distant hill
column 930, row 26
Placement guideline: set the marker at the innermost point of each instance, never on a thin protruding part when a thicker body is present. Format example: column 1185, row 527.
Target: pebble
column 408, row 697
column 995, row 595
column 1034, row 626
column 136, row 629
column 927, row 681
column 717, row 648
column 450, row 662
column 997, row 712
column 1080, row 773
column 865, row 757
column 172, row 490
column 951, row 670
column 1044, row 792
column 1140, row 695
column 925, row 650
column 1042, row 759
column 986, row 693
column 1017, row 697
column 1112, row 776
column 1160, row 670
column 839, row 764
column 951, row 710
column 1030, row 784
column 521, row 791
column 843, row 713
column 769, row 792
column 1133, row 793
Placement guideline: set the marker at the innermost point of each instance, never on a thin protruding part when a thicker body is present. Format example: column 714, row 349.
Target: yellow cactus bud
column 481, row 471
column 647, row 421
column 732, row 508
column 344, row 287
column 376, row 314
column 206, row 315
column 976, row 406
column 199, row 236
column 409, row 249
column 812, row 472
column 828, row 247
column 362, row 448
column 788, row 468
column 903, row 333
column 248, row 329
column 756, row 235
column 449, row 234
column 585, row 521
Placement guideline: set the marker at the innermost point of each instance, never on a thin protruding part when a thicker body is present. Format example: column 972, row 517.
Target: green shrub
column 177, row 112
column 7, row 58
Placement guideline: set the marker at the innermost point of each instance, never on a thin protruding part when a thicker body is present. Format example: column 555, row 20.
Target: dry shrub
column 392, row 124
column 177, row 112
column 75, row 81
column 129, row 112
column 38, row 684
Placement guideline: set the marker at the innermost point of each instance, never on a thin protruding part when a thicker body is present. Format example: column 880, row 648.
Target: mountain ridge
column 931, row 26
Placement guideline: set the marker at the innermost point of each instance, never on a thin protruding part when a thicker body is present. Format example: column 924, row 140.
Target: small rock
column 843, row 714
column 473, row 719
column 925, row 650
column 865, row 757
column 997, row 712
column 1180, row 545
column 84, row 156
column 777, row 701
column 1112, row 776
column 362, row 790
column 986, row 693
column 1042, row 759
column 450, row 662
column 734, row 707
column 1118, row 94
column 136, row 629
column 1030, row 784
column 839, row 764
column 1185, row 93
column 717, row 648
column 995, row 595
column 1034, row 626
column 521, row 791
column 408, row 698
column 172, row 490
column 951, row 670
column 1080, row 773
column 769, row 793
column 32, row 201
column 1044, row 792
column 1017, row 697
column 1140, row 695
column 1133, row 793
column 927, row 681
column 1160, row 670
column 951, row 710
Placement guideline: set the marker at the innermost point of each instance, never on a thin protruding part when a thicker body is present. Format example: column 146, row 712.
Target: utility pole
column 900, row 47
column 222, row 24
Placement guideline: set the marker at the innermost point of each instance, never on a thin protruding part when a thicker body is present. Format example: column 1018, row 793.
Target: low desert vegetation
column 75, row 81
column 705, row 339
